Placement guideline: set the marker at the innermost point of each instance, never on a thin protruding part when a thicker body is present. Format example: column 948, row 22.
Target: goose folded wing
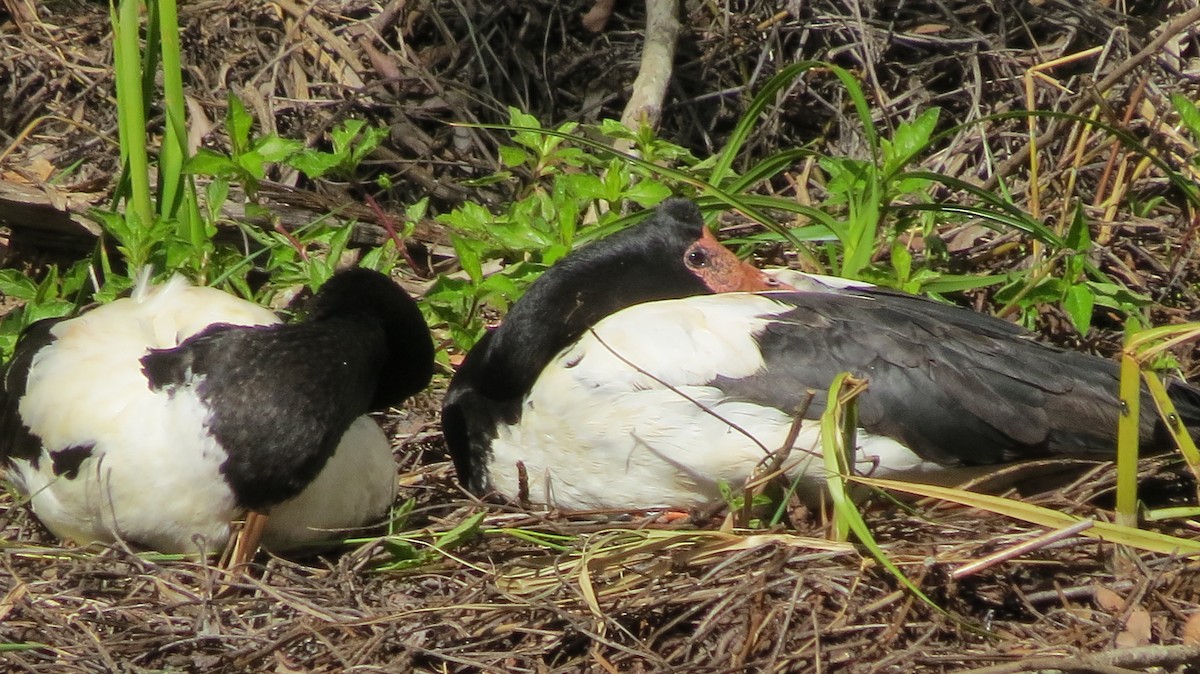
column 955, row 386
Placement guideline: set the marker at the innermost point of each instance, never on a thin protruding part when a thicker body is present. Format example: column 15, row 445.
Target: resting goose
column 160, row 418
column 629, row 376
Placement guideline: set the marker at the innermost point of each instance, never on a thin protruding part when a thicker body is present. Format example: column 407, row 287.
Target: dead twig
column 658, row 59
column 1123, row 661
column 1178, row 25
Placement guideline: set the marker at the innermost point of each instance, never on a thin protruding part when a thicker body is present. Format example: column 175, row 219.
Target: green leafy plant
column 1068, row 279
column 170, row 225
column 165, row 228
column 559, row 184
column 309, row 254
column 48, row 298
column 869, row 204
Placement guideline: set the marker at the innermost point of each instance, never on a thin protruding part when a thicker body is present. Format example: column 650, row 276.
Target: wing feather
column 957, row 386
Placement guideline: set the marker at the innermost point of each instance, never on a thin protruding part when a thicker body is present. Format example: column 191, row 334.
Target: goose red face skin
column 723, row 272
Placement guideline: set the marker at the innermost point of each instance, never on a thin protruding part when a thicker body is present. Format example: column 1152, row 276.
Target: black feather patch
column 955, row 386
column 170, row 369
column 16, row 439
column 67, row 461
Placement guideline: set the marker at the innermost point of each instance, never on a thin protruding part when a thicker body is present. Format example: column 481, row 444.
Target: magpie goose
column 160, row 418
column 645, row 369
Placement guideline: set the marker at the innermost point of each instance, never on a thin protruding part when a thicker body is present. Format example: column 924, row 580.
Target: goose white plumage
column 159, row 418
column 645, row 369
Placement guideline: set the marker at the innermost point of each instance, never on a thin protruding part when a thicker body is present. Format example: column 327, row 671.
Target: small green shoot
column 1142, row 348
column 742, row 504
column 552, row 541
column 415, row 549
column 838, row 426
column 1128, row 426
column 17, row 647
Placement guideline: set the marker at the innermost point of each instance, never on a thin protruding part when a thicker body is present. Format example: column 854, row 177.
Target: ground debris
column 543, row 592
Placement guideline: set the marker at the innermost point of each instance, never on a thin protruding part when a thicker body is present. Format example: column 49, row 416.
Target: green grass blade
column 1127, row 440
column 131, row 111
column 846, row 513
column 858, row 244
column 1169, row 335
column 768, row 168
column 1004, row 212
column 953, row 283
column 737, row 139
column 23, row 646
column 1179, row 432
column 1150, row 541
column 174, row 145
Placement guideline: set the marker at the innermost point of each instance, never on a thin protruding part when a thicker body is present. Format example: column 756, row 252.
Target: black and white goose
column 160, row 418
column 627, row 377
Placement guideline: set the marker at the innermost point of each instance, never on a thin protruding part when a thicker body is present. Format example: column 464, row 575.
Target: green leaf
column 847, row 178
column 253, row 165
column 215, row 195
column 343, row 136
column 370, row 139
column 901, row 261
column 580, row 186
column 469, row 217
column 1118, row 294
column 518, row 118
column 647, row 193
column 208, row 163
column 239, row 122
column 468, row 256
column 16, row 285
column 1079, row 238
column 947, row 283
column 272, row 148
column 1078, row 305
column 1188, row 113
column 500, row 290
column 313, row 163
column 416, row 212
column 51, row 309
column 513, row 156
column 528, row 139
column 554, row 253
column 464, row 531
column 615, row 129
column 910, row 139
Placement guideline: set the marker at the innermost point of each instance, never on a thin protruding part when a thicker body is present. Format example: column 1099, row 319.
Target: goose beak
column 725, row 273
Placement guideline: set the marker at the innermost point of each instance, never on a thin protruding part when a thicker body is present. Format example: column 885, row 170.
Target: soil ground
column 528, row 590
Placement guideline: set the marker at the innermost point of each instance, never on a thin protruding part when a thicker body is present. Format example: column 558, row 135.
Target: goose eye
column 697, row 258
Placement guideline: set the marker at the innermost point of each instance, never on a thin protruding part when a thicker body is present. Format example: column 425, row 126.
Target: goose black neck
column 370, row 298
column 641, row 264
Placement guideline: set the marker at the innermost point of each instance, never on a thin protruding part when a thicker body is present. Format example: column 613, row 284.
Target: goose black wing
column 956, row 386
